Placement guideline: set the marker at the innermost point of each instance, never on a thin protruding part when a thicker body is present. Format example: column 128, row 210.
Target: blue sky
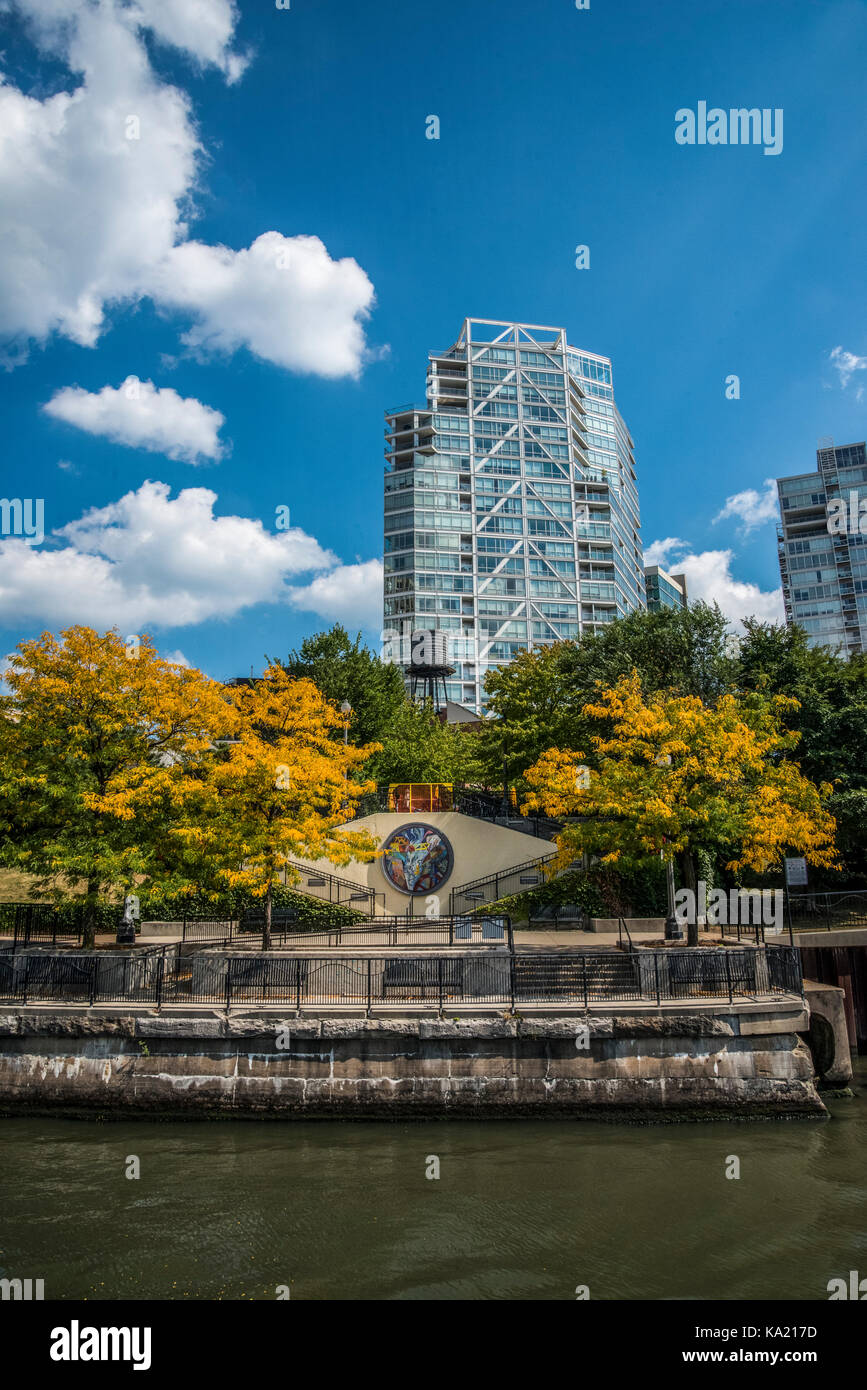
column 180, row 252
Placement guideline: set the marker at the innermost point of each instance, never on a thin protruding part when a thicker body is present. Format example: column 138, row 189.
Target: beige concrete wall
column 479, row 849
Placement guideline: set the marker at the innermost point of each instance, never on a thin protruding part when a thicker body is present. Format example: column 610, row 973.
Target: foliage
column 532, row 708
column 538, row 700
column 681, row 650
column 671, row 775
column 831, row 719
column 347, row 670
column 602, row 891
column 231, row 906
column 279, row 792
column 94, row 739
column 419, row 748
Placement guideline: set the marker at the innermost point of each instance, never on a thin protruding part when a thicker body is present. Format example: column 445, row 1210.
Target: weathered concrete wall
column 828, row 1037
column 647, row 1067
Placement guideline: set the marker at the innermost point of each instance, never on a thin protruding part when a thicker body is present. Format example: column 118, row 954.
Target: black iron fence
column 42, row 923
column 208, row 929
column 485, row 929
column 558, row 917
column 168, row 975
column 826, row 911
column 480, row 930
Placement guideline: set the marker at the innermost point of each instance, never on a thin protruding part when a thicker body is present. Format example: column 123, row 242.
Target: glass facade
column 511, row 502
column 822, row 550
column 664, row 590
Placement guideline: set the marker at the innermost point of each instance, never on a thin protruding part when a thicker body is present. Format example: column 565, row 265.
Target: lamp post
column 673, row 931
column 345, row 710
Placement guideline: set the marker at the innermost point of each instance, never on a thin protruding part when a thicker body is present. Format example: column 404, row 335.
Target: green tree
column 419, row 748
column 671, row 776
column 831, row 719
column 97, row 744
column 677, row 649
column 538, row 700
column 532, row 707
column 347, row 670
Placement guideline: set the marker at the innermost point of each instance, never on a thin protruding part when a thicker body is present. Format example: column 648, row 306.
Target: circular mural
column 417, row 858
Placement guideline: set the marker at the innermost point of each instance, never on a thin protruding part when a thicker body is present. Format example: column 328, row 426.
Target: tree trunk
column 266, row 928
column 89, row 923
column 687, row 870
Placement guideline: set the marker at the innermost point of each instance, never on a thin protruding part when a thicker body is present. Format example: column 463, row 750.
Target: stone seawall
column 666, row 1065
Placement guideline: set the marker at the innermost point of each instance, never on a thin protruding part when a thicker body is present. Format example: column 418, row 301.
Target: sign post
column 796, row 877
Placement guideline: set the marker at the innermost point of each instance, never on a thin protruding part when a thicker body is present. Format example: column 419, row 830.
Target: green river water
column 233, row 1209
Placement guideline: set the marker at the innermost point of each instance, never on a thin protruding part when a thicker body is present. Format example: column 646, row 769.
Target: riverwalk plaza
column 511, row 502
column 414, row 990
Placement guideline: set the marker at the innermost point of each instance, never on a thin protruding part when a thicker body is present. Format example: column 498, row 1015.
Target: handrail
column 822, row 906
column 356, row 890
column 621, row 926
column 498, row 874
column 445, row 930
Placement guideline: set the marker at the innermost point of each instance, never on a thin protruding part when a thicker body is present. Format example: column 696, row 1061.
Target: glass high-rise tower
column 822, row 550
column 511, row 502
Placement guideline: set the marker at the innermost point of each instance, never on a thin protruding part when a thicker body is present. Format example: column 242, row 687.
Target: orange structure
column 420, row 796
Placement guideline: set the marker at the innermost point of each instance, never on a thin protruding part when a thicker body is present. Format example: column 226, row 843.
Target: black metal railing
column 167, row 975
column 558, row 917
column 489, row 806
column 44, row 923
column 746, row 930
column 826, row 911
column 479, row 929
column 330, row 888
column 500, row 884
column 208, row 929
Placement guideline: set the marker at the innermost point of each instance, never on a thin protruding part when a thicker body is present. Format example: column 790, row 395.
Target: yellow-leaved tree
column 669, row 775
column 98, row 739
column 279, row 789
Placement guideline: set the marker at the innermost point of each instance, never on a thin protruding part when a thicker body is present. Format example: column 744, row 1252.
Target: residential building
column 822, row 550
column 664, row 590
column 511, row 502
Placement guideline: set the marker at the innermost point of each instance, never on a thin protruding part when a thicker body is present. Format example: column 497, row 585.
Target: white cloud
column 96, row 186
column 143, row 416
column 176, row 658
column 846, row 364
column 657, row 552
column 753, row 508
column 284, row 298
column 204, row 28
column 350, row 594
column 148, row 560
column 709, row 578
